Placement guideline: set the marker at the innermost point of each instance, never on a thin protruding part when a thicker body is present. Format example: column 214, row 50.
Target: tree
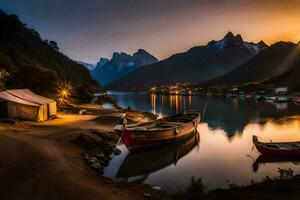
column 53, row 44
column 84, row 92
column 3, row 76
column 40, row 80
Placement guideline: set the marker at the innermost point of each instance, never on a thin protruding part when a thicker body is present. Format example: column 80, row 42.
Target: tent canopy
column 11, row 98
column 27, row 95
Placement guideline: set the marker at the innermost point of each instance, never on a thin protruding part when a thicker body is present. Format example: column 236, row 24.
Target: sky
column 89, row 29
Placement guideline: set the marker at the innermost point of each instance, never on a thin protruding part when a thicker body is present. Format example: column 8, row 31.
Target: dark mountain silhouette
column 273, row 63
column 120, row 65
column 196, row 65
column 291, row 76
column 102, row 62
column 89, row 66
column 29, row 62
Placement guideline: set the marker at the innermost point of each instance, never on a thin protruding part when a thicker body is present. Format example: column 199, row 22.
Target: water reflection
column 157, row 158
column 269, row 159
column 224, row 153
column 231, row 115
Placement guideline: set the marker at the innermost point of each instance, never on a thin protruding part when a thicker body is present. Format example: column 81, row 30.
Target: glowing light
column 64, row 92
column 153, row 102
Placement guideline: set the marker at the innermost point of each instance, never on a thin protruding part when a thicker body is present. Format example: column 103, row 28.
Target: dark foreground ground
column 39, row 161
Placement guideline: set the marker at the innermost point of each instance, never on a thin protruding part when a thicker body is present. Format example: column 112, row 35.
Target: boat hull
column 269, row 148
column 139, row 139
column 280, row 152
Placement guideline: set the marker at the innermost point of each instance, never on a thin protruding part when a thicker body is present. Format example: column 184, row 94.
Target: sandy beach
column 39, row 161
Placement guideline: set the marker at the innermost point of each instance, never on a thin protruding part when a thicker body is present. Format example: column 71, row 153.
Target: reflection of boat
column 161, row 131
column 263, row 159
column 277, row 149
column 144, row 162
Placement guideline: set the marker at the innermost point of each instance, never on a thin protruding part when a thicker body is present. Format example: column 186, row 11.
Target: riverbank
column 42, row 161
column 281, row 189
column 63, row 159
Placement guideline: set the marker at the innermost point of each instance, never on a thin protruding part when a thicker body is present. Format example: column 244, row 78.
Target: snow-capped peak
column 231, row 40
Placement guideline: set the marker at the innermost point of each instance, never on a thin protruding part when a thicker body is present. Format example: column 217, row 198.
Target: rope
column 204, row 109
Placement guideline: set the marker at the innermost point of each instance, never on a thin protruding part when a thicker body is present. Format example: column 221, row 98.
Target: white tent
column 24, row 104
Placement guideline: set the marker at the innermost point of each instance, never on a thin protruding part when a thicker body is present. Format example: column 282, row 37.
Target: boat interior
column 168, row 122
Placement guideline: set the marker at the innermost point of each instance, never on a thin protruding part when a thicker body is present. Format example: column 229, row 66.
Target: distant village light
column 153, row 89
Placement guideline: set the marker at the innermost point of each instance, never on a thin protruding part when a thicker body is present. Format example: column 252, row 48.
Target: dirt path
column 42, row 163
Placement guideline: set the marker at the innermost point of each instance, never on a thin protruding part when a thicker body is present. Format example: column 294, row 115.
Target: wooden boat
column 157, row 132
column 158, row 158
column 277, row 148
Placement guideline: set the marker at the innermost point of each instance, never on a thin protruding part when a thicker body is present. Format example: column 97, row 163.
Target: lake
column 222, row 155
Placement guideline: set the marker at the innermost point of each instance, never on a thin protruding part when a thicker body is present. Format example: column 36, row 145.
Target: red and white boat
column 160, row 131
column 277, row 148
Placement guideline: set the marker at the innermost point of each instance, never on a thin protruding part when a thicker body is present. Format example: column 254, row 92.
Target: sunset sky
column 89, row 29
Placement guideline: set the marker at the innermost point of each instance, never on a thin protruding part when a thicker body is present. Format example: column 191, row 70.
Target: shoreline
column 41, row 161
column 63, row 158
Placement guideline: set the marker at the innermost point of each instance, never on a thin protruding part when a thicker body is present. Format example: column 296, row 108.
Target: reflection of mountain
column 264, row 159
column 232, row 115
column 229, row 115
column 156, row 159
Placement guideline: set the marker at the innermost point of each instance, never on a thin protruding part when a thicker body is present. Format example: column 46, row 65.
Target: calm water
column 221, row 155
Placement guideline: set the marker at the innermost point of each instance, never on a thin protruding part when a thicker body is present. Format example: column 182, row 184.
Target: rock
column 85, row 157
column 157, row 188
column 119, row 180
column 92, row 160
column 147, row 195
column 100, row 156
column 117, row 151
column 110, row 144
column 82, row 112
column 96, row 165
column 104, row 163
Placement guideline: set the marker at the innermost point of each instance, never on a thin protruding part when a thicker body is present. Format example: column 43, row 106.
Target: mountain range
column 278, row 65
column 121, row 64
column 198, row 64
column 273, row 61
column 28, row 61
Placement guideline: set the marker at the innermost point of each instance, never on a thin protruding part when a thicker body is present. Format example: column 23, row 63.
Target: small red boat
column 157, row 132
column 277, row 148
column 297, row 101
